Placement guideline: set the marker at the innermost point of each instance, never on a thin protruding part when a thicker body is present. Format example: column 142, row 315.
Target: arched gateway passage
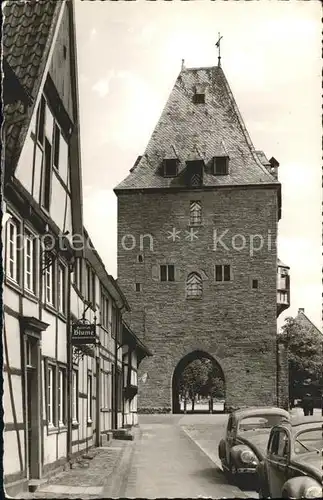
column 198, row 385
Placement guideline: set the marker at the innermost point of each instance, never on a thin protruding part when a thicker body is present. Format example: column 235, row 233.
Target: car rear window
column 307, row 441
column 259, row 422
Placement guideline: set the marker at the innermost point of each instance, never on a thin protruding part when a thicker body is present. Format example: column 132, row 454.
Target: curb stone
column 117, row 487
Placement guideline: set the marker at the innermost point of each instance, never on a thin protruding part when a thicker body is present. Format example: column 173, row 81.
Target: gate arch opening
column 198, row 384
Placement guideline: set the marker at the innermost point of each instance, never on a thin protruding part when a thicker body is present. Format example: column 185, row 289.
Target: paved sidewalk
column 90, row 481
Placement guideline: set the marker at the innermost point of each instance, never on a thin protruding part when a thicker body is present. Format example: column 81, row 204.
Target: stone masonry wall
column 233, row 322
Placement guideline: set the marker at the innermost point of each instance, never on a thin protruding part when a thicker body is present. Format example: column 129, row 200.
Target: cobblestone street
column 91, row 479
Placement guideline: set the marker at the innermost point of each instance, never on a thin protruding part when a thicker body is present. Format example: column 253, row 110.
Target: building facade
column 197, row 259
column 134, row 351
column 59, row 399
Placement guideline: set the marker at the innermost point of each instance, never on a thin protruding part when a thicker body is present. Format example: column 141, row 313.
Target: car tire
column 262, row 494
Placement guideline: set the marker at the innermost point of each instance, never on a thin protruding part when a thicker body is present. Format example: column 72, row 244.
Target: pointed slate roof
column 27, row 35
column 215, row 128
column 304, row 321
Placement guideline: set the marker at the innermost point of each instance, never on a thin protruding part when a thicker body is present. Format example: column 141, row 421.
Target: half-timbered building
column 59, row 398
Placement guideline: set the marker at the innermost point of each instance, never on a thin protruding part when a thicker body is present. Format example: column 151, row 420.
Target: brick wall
column 233, row 322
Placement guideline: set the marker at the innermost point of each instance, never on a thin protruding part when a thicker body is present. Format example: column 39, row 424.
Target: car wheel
column 262, row 494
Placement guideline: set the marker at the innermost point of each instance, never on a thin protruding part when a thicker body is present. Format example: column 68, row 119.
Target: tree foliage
column 304, row 348
column 201, row 377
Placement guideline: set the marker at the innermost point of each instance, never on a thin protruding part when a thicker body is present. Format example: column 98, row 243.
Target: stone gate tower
column 197, row 261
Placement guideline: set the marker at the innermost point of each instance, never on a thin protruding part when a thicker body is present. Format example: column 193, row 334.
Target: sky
column 129, row 56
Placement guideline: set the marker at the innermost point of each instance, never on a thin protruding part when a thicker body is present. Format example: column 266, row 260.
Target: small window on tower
column 221, row 165
column 167, row 273
column 222, row 273
column 195, row 213
column 255, row 284
column 199, row 98
column 138, row 287
column 140, row 258
column 170, row 167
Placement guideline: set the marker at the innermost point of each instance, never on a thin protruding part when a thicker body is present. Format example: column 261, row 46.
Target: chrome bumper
column 246, row 470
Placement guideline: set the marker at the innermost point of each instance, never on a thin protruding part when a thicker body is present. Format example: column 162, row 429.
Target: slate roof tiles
column 27, row 34
column 214, row 129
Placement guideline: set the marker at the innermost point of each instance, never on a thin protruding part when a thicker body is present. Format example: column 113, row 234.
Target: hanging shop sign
column 83, row 333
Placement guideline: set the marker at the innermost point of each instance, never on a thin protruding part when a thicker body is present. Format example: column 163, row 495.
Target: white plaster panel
column 61, row 341
column 68, row 219
column 49, row 447
column 11, row 462
column 37, row 173
column 14, row 403
column 62, row 441
column 24, row 170
column 75, row 303
column 11, row 298
column 30, row 308
column 48, row 336
column 12, row 337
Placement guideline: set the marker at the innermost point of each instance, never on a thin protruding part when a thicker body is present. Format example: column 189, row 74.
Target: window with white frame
column 90, row 284
column 105, row 395
column 114, row 320
column 74, row 396
column 29, row 360
column 30, row 262
column 49, row 279
column 51, row 395
column 194, row 286
column 104, row 311
column 57, row 135
column 61, row 288
column 13, row 228
column 47, row 176
column 78, row 273
column 195, row 213
column 89, row 397
column 51, row 150
column 61, row 396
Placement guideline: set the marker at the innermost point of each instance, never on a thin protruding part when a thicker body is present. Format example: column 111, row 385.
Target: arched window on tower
column 195, row 213
column 194, row 286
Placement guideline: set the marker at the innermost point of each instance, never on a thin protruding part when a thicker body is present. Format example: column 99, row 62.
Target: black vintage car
column 246, row 438
column 292, row 467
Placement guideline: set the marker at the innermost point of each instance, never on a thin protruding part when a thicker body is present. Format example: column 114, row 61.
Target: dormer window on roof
column 199, row 98
column 199, row 94
column 221, row 165
column 170, row 167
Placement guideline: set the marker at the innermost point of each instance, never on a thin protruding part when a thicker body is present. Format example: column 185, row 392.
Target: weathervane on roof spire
column 219, row 48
